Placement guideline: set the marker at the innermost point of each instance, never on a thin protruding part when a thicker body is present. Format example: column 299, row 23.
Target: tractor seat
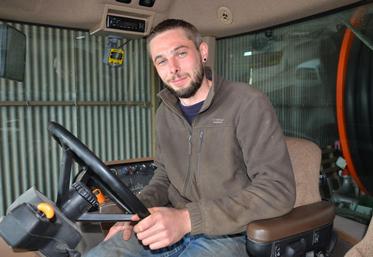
column 309, row 226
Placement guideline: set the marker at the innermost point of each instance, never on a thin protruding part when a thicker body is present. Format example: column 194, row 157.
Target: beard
column 192, row 88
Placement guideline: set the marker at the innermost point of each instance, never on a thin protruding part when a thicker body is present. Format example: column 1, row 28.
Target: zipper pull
column 200, row 140
column 190, row 144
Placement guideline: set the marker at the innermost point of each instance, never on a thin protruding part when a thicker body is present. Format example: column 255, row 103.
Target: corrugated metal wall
column 295, row 66
column 108, row 108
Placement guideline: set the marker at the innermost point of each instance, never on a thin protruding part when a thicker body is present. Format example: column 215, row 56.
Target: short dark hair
column 191, row 32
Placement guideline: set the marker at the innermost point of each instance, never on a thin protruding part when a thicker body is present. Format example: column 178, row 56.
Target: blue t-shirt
column 191, row 111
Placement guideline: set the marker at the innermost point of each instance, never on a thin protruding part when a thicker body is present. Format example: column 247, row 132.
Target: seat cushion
column 305, row 159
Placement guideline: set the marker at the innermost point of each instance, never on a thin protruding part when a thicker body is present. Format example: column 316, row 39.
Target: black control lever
column 104, row 217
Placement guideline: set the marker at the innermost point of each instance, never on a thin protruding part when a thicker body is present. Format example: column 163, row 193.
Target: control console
column 135, row 174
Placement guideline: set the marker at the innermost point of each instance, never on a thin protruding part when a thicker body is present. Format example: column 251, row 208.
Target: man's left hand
column 164, row 227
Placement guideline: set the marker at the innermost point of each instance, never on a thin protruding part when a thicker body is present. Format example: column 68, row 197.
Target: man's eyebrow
column 179, row 47
column 172, row 51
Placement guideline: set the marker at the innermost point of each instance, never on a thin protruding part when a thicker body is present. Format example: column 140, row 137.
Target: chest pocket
column 218, row 153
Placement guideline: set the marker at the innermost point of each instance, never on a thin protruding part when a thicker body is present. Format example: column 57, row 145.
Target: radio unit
column 125, row 23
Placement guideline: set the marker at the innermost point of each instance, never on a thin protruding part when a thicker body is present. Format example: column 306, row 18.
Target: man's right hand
column 126, row 227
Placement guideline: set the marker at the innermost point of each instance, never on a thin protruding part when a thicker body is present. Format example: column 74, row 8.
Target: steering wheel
column 75, row 149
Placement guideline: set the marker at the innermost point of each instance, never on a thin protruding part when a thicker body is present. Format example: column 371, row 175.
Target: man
column 221, row 159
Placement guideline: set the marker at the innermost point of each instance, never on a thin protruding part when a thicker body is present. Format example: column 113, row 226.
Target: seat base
column 318, row 240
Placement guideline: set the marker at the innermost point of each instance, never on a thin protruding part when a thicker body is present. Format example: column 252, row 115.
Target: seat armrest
column 299, row 220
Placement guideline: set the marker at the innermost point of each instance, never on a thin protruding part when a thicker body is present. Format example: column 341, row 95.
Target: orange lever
column 46, row 209
column 99, row 195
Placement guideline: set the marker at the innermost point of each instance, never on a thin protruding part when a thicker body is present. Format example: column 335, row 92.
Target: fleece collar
column 170, row 100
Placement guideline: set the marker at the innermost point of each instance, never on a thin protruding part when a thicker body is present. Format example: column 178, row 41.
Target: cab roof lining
column 247, row 15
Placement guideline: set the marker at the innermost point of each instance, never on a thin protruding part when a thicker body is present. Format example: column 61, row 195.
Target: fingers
column 163, row 227
column 135, row 217
column 120, row 226
column 144, row 224
column 113, row 230
column 148, row 233
column 125, row 227
column 157, row 241
column 155, row 238
column 147, row 222
column 127, row 231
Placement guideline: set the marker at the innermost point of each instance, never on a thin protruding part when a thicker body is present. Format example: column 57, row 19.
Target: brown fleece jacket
column 229, row 167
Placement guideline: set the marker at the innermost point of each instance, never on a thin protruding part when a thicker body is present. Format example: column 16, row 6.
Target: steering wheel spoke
column 74, row 149
column 64, row 182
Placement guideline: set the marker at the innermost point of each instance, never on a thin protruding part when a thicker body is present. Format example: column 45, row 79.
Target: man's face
column 178, row 62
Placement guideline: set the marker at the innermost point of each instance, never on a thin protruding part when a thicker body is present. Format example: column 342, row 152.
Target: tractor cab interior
column 307, row 228
column 78, row 100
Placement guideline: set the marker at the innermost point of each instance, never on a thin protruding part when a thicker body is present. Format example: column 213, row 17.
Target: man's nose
column 174, row 66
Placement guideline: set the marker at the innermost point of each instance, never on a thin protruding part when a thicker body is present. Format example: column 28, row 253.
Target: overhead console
column 124, row 22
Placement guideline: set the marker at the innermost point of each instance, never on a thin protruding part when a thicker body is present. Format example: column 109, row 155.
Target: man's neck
column 200, row 95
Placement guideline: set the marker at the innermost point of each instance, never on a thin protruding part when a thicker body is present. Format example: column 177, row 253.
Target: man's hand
column 164, row 227
column 126, row 227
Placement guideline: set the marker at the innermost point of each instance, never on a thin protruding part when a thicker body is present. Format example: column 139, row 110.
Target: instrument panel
column 135, row 173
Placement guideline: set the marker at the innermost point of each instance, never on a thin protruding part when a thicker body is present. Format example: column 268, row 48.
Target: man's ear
column 204, row 50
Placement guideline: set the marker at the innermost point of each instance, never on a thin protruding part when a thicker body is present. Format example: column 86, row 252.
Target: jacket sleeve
column 156, row 192
column 271, row 192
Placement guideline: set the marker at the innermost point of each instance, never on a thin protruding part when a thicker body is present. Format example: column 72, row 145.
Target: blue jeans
column 189, row 246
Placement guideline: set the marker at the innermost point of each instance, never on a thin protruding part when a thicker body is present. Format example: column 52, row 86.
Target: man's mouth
column 178, row 80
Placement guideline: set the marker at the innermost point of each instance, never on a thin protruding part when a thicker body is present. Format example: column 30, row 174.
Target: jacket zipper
column 200, row 141
column 199, row 155
column 189, row 145
column 187, row 179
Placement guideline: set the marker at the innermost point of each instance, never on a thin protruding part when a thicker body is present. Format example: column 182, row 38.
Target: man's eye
column 182, row 54
column 161, row 62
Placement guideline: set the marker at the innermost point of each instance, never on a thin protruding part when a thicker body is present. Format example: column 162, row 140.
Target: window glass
column 69, row 79
column 318, row 76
